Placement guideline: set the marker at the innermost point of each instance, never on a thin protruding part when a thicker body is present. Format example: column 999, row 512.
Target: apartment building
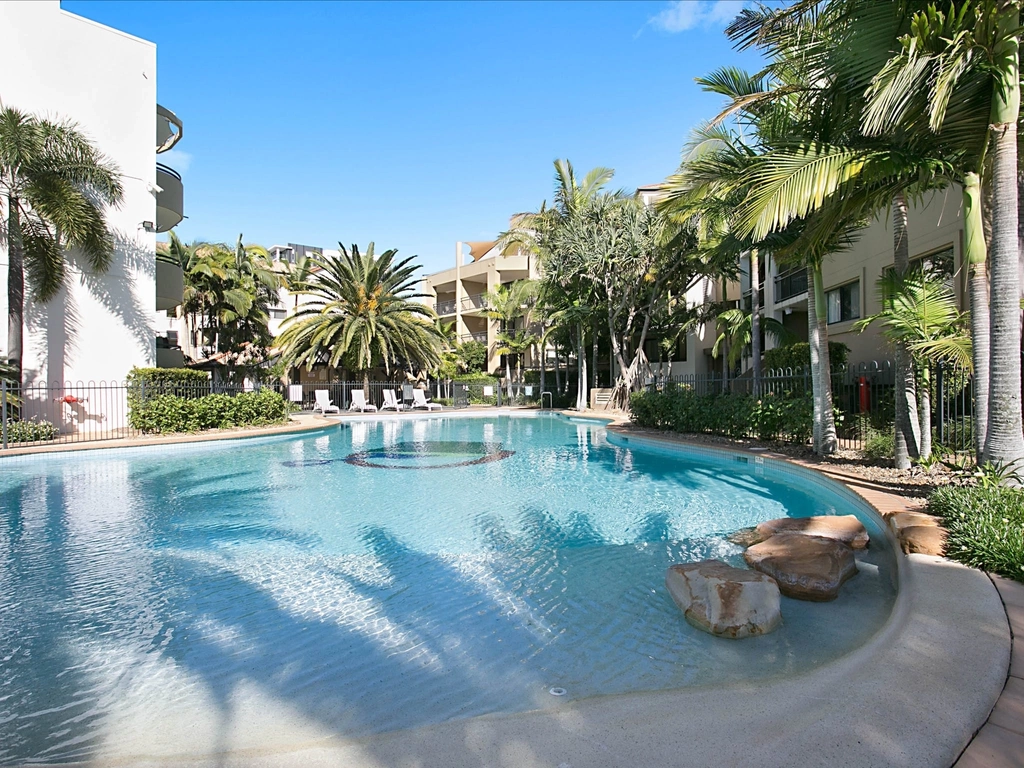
column 458, row 294
column 62, row 66
column 935, row 232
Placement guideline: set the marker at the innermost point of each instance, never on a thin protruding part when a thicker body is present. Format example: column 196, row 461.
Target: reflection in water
column 265, row 595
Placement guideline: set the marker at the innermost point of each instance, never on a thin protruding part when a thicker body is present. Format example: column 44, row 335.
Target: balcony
column 474, row 302
column 445, row 307
column 482, row 336
column 170, row 285
column 166, row 121
column 169, row 198
column 790, row 284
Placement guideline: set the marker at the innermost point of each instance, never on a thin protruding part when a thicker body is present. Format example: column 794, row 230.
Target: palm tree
column 919, row 313
column 362, row 312
column 737, row 334
column 509, row 304
column 55, row 185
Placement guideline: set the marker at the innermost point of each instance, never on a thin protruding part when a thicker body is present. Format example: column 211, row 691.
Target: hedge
column 171, row 413
column 986, row 527
column 30, row 431
column 680, row 409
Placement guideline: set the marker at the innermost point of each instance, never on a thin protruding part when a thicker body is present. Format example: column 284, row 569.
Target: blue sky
column 416, row 124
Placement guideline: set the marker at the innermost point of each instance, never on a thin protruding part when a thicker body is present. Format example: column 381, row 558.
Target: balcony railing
column 790, row 284
column 169, row 199
column 482, row 336
column 445, row 307
column 475, row 301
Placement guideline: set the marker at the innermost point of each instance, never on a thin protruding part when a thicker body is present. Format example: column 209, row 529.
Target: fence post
column 940, row 385
column 3, row 410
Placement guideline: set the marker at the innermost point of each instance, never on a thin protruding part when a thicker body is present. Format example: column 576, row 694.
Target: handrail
column 174, row 120
column 551, row 400
column 168, row 170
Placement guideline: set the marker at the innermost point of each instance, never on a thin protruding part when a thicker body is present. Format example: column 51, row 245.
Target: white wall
column 59, row 65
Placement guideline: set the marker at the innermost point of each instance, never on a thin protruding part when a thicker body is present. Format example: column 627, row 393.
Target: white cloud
column 176, row 159
column 682, row 15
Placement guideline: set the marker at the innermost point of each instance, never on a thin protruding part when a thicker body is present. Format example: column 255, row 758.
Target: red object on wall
column 865, row 394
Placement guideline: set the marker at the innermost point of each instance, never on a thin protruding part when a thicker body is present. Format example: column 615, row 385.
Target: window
column 843, row 303
column 938, row 264
column 278, row 314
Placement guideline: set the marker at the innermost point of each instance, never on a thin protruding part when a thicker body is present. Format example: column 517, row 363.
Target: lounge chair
column 359, row 402
column 391, row 401
column 419, row 400
column 323, row 403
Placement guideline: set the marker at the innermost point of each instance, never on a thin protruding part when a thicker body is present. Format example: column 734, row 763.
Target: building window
column 278, row 314
column 843, row 303
column 938, row 264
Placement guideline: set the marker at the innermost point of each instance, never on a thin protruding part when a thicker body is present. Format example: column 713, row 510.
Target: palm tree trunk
column 15, row 290
column 926, row 411
column 755, row 320
column 908, row 428
column 508, row 378
column 824, row 425
column 581, row 388
column 558, row 378
column 543, row 369
column 975, row 257
column 593, row 361
column 1004, row 441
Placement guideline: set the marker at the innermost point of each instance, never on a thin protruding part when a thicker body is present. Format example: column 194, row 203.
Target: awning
column 480, row 247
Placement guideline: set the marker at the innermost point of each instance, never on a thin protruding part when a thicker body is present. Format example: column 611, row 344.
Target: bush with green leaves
column 798, row 355
column 171, row 413
column 30, row 431
column 680, row 409
column 986, row 527
column 880, row 446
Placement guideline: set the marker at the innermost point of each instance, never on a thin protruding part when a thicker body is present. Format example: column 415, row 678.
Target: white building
column 61, row 66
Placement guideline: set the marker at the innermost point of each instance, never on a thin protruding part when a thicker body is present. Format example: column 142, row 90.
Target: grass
column 986, row 527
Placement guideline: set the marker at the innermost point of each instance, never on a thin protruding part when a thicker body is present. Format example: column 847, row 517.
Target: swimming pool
column 380, row 575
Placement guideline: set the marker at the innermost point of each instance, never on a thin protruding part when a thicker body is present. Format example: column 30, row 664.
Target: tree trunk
column 1004, row 441
column 581, row 370
column 755, row 320
column 558, row 377
column 926, row 411
column 975, row 257
column 907, row 426
column 824, row 425
column 508, row 377
column 543, row 369
column 15, row 291
column 593, row 361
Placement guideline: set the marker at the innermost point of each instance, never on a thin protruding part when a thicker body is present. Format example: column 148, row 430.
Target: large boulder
column 845, row 528
column 725, row 601
column 923, row 539
column 805, row 567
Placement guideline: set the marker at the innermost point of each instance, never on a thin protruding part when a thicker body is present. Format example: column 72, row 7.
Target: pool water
column 380, row 575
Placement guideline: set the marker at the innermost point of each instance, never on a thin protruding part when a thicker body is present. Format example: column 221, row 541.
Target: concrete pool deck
column 914, row 695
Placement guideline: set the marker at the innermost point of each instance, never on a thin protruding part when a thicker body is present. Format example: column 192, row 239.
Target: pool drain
column 557, row 691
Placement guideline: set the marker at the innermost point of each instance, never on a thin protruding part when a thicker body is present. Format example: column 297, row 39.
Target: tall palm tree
column 55, row 185
column 738, row 334
column 509, row 304
column 362, row 312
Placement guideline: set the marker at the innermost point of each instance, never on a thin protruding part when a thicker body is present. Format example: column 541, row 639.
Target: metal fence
column 863, row 398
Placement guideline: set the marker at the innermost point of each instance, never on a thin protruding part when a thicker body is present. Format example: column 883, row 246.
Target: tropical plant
column 919, row 314
column 737, row 333
column 362, row 312
column 511, row 305
column 55, row 185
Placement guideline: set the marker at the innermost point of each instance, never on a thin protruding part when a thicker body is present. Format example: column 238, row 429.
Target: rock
column 725, row 601
column 745, row 537
column 805, row 567
column 902, row 520
column 923, row 540
column 845, row 528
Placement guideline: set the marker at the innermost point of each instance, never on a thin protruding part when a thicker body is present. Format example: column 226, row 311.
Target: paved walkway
column 1000, row 742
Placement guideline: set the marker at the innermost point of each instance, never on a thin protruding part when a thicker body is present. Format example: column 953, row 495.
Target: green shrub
column 476, row 378
column 171, row 413
column 799, row 356
column 680, row 409
column 880, row 445
column 986, row 527
column 30, row 431
column 473, row 355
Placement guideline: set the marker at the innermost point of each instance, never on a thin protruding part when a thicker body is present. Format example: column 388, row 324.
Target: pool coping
column 900, row 714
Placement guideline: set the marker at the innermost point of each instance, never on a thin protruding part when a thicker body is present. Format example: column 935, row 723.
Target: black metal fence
column 863, row 399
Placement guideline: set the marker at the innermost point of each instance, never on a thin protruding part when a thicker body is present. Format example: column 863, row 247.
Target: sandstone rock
column 845, row 528
column 745, row 537
column 902, row 520
column 725, row 601
column 805, row 567
column 923, row 540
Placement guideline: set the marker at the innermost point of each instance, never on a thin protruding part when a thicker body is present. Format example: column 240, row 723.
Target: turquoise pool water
column 379, row 575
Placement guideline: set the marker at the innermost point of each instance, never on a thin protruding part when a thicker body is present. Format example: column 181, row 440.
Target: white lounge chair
column 419, row 400
column 391, row 401
column 323, row 403
column 359, row 402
